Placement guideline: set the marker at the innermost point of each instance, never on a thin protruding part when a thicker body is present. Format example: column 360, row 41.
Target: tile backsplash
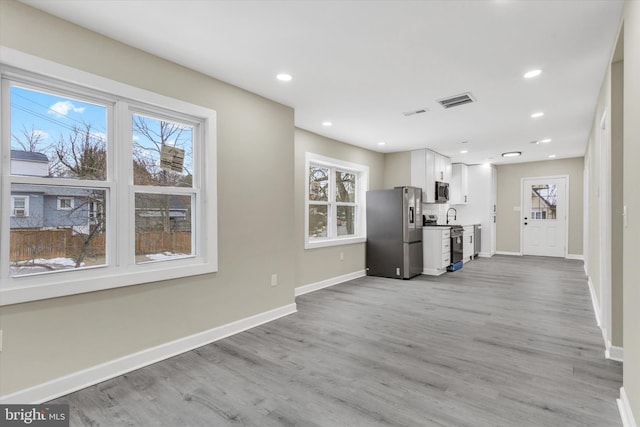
column 439, row 209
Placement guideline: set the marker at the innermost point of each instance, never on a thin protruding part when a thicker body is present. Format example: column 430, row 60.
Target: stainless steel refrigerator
column 394, row 232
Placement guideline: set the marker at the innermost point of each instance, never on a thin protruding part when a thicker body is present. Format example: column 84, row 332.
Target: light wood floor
column 506, row 341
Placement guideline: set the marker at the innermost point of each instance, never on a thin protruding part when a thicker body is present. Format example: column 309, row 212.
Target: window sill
column 334, row 242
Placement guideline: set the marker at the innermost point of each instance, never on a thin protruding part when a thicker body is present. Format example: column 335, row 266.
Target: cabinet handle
column 465, row 199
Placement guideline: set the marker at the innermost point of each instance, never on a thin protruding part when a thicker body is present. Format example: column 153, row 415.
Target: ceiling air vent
column 456, row 100
column 414, row 112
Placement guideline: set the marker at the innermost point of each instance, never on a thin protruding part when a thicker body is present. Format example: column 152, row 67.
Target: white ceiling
column 361, row 64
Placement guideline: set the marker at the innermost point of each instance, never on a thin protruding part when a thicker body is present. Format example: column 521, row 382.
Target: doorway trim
column 566, row 211
column 604, row 204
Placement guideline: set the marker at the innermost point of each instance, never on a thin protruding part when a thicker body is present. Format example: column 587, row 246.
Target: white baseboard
column 305, row 289
column 625, row 410
column 594, row 301
column 485, row 255
column 614, row 353
column 508, row 253
column 579, row 257
column 113, row 368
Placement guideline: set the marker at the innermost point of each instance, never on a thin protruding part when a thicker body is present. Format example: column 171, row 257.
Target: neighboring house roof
column 29, row 156
column 52, row 190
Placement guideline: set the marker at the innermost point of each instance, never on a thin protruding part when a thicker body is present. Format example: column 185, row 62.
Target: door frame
column 565, row 199
column 604, row 205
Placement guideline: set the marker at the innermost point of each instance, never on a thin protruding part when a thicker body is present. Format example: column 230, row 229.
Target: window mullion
column 120, row 215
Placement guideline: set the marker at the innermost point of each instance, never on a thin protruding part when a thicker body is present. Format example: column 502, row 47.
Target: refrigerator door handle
column 412, row 215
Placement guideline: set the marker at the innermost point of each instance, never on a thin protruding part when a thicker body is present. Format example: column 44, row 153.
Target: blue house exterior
column 48, row 206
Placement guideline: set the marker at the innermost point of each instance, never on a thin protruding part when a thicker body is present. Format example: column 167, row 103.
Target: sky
column 54, row 117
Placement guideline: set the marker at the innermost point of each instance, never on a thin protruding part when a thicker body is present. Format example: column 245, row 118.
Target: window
column 544, row 199
column 335, row 195
column 19, row 206
column 87, row 230
column 65, row 203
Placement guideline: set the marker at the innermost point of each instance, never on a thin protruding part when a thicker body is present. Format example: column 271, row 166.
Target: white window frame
column 121, row 269
column 64, row 208
column 362, row 185
column 26, row 206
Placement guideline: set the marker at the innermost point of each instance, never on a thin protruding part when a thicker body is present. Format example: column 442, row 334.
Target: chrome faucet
column 455, row 214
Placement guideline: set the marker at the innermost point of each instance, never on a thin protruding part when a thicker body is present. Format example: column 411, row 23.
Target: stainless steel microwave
column 442, row 192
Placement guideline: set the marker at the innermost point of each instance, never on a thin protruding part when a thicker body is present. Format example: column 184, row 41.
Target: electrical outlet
column 274, row 280
column 341, row 256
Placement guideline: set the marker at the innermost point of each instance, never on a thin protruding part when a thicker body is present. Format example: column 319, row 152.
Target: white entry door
column 544, row 216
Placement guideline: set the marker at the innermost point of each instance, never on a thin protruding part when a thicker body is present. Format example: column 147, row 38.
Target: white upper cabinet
column 442, row 170
column 427, row 167
column 459, row 188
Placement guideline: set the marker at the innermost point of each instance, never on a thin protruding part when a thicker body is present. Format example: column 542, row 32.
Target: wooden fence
column 26, row 244
column 162, row 241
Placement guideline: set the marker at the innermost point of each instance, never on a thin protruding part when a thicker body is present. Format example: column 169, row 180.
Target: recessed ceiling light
column 536, row 115
column 464, row 151
column 283, row 77
column 545, row 141
column 327, row 124
column 531, row 74
column 512, row 154
column 381, row 143
column 551, row 156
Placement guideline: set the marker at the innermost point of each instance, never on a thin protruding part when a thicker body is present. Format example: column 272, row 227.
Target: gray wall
column 509, row 189
column 47, row 339
column 318, row 264
column 631, row 269
column 616, row 81
column 397, row 169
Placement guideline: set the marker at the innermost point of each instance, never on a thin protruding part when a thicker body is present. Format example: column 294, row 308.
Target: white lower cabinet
column 467, row 243
column 436, row 250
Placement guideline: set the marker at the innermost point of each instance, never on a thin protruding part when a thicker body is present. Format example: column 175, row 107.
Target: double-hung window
column 109, row 185
column 65, row 203
column 335, row 201
column 19, row 206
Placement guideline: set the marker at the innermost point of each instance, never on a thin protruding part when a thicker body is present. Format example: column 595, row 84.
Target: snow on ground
column 164, row 255
column 63, row 262
column 41, row 265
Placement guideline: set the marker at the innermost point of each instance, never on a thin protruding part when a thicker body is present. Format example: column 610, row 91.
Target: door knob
column 525, row 223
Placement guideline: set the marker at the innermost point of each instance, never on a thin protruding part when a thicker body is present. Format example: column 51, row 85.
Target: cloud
column 62, row 108
column 101, row 136
column 40, row 133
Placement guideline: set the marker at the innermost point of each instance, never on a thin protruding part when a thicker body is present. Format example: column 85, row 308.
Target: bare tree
column 157, row 134
column 29, row 140
column 81, row 155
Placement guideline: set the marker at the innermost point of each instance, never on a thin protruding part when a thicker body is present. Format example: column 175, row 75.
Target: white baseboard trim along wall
column 508, row 253
column 614, row 353
column 625, row 410
column 305, row 289
column 594, row 301
column 611, row 352
column 579, row 257
column 113, row 368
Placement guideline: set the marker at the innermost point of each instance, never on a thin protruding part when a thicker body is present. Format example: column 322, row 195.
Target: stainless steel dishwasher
column 477, row 239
